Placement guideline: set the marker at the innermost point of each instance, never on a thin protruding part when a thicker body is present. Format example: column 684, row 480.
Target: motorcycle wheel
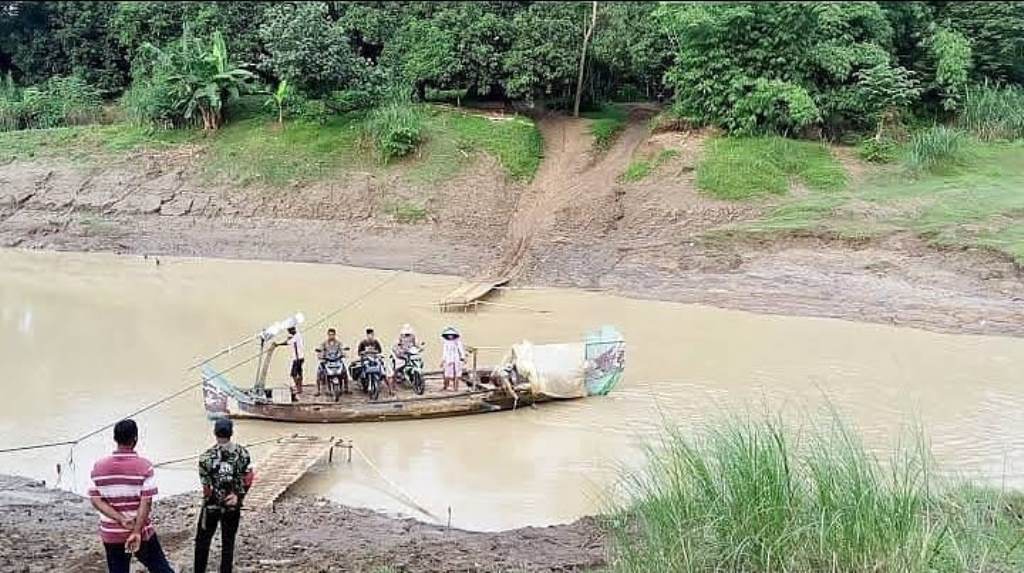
column 374, row 387
column 417, row 383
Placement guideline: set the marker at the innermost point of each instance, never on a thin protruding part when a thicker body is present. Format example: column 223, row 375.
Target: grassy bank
column 759, row 497
column 748, row 167
column 255, row 149
column 970, row 198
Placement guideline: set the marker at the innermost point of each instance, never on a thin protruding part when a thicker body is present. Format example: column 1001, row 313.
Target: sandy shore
column 53, row 530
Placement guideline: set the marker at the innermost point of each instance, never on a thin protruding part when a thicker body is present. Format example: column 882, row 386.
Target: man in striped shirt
column 122, row 492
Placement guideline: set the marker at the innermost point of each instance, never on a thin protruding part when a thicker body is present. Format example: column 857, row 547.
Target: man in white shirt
column 298, row 351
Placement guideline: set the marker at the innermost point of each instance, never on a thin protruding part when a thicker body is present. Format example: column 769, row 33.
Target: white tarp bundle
column 555, row 370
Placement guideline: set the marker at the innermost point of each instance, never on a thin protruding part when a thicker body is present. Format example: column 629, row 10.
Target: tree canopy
column 787, row 67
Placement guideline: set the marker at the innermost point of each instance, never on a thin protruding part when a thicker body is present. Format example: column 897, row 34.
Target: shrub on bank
column 57, row 102
column 758, row 497
column 395, row 128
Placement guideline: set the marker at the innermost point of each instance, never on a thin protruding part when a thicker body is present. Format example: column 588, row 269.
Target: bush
column 937, row 148
column 395, row 128
column 59, row 101
column 993, row 113
column 882, row 150
column 756, row 496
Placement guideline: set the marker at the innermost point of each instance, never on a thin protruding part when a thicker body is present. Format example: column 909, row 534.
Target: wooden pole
column 583, row 59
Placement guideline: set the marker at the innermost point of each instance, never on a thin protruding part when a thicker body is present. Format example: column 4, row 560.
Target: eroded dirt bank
column 52, row 530
column 576, row 225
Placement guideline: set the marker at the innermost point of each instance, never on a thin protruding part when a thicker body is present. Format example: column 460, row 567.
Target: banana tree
column 207, row 80
column 278, row 98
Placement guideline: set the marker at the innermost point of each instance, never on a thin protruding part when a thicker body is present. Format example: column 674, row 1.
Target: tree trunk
column 583, row 59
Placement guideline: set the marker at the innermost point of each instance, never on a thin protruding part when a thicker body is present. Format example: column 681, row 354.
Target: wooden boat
column 529, row 374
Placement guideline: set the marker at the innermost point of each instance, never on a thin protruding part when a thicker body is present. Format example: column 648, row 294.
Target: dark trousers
column 149, row 554
column 209, row 517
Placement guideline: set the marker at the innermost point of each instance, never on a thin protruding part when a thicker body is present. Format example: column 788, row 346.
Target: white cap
column 406, row 329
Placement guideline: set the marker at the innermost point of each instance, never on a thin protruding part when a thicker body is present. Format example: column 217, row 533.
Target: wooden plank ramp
column 469, row 294
column 290, row 459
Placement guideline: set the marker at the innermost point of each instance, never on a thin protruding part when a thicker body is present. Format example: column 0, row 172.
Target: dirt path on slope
column 571, row 168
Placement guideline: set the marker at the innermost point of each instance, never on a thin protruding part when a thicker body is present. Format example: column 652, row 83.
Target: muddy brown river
column 85, row 338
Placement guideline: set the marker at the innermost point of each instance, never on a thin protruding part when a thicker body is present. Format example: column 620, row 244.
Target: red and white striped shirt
column 122, row 480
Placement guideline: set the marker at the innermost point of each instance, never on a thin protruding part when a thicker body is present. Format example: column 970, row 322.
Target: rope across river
column 151, row 405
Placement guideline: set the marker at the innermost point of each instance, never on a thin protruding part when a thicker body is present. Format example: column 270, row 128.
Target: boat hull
column 385, row 410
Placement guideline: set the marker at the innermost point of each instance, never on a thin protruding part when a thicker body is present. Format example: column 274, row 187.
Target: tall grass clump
column 757, row 497
column 937, row 148
column 993, row 113
column 395, row 128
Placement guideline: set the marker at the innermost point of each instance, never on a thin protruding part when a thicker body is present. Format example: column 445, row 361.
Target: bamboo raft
column 469, row 295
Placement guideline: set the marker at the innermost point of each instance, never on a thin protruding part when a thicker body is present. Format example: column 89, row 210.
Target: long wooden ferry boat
column 528, row 374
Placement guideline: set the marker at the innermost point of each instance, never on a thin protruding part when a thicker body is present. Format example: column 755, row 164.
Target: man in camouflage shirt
column 225, row 472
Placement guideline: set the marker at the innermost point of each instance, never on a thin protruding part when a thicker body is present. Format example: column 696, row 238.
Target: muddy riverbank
column 53, row 530
column 647, row 239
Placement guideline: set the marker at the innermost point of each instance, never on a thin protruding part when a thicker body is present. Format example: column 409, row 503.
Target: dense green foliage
column 59, row 101
column 791, row 68
column 189, row 81
column 759, row 496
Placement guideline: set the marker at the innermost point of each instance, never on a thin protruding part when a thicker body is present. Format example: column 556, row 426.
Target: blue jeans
column 149, row 554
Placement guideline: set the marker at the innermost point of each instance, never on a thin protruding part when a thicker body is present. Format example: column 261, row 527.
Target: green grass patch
column 258, row 151
column 759, row 496
column 407, row 211
column 606, row 124
column 88, row 142
column 748, row 167
column 640, row 169
column 453, row 137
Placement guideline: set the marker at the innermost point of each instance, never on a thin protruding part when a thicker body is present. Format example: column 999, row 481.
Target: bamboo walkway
column 468, row 295
column 283, row 466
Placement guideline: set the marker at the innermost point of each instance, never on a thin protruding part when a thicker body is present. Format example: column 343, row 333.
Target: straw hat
column 450, row 332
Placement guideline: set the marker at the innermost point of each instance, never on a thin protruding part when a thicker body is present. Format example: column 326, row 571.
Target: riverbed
column 86, row 338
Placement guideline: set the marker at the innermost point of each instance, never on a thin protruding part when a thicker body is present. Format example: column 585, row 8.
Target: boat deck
column 290, row 459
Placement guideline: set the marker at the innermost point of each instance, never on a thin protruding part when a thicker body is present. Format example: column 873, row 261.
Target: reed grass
column 938, row 148
column 758, row 497
column 993, row 113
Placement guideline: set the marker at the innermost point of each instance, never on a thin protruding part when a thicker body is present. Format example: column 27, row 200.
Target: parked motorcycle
column 411, row 371
column 369, row 371
column 335, row 375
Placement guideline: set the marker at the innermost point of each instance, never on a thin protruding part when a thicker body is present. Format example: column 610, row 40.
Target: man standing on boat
column 122, row 491
column 294, row 342
column 226, row 474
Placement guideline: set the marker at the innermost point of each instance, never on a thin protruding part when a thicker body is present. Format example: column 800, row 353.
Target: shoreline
column 49, row 529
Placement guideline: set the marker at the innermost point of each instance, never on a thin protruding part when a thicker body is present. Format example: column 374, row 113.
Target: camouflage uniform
column 223, row 469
